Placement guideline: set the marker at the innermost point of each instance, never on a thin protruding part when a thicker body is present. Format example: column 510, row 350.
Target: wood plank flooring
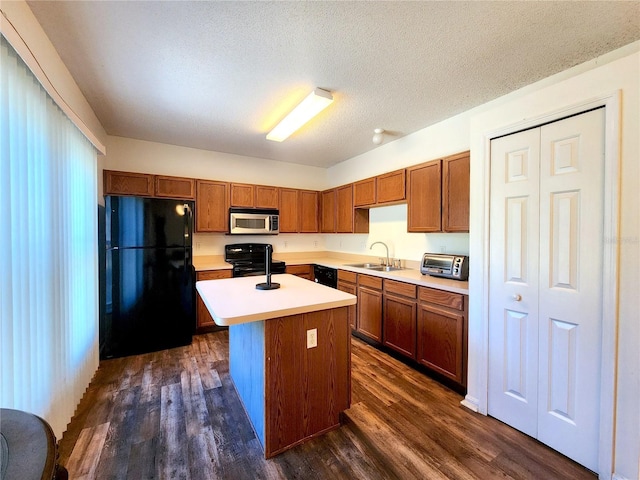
column 175, row 414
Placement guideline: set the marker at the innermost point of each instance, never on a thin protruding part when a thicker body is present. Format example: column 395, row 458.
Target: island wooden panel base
column 292, row 393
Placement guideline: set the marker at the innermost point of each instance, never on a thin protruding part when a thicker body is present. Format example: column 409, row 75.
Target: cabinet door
column 212, row 206
column 308, row 220
column 266, row 197
column 441, row 341
column 344, row 217
column 242, row 195
column 364, row 192
column 288, row 210
column 370, row 313
column 175, row 187
column 328, row 211
column 400, row 324
column 203, row 317
column 455, row 193
column 127, row 183
column 424, row 194
column 391, row 187
column 350, row 288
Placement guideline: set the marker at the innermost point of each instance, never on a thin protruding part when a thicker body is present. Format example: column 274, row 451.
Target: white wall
column 600, row 77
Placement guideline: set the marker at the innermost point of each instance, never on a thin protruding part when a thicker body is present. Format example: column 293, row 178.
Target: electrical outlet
column 315, row 244
column 312, row 338
column 443, row 249
column 198, row 246
column 286, row 244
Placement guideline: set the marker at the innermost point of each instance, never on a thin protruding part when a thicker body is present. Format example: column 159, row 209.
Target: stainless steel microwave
column 254, row 221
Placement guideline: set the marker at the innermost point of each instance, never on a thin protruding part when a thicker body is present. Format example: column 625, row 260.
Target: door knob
column 517, row 297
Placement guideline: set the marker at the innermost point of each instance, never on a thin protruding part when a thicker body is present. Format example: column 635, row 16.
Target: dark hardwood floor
column 174, row 414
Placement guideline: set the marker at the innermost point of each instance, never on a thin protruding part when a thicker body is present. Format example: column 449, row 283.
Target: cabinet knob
column 517, row 297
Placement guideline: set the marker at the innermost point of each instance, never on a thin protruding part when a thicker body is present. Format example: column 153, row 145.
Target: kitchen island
column 289, row 354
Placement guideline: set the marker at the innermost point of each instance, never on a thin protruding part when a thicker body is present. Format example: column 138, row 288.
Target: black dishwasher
column 325, row 276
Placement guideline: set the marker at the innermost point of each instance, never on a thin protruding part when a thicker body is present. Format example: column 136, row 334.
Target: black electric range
column 248, row 259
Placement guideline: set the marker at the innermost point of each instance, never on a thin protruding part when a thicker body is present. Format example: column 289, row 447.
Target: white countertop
column 341, row 261
column 236, row 300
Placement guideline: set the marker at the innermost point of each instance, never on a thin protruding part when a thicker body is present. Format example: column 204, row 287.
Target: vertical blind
column 48, row 251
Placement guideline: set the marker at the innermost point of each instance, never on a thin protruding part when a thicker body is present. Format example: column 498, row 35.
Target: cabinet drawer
column 346, row 276
column 213, row 274
column 298, row 269
column 440, row 297
column 400, row 288
column 369, row 281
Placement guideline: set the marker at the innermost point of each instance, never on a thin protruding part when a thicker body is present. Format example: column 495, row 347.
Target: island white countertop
column 233, row 301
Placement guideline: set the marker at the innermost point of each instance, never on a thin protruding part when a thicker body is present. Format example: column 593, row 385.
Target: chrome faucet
column 385, row 246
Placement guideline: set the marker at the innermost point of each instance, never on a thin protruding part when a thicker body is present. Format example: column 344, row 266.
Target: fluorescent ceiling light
column 317, row 101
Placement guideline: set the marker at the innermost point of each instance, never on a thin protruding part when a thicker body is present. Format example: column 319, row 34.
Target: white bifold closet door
column 545, row 300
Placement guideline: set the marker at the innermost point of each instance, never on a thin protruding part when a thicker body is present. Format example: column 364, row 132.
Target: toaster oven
column 455, row 267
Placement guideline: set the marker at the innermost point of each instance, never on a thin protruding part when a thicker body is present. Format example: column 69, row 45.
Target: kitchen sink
column 376, row 266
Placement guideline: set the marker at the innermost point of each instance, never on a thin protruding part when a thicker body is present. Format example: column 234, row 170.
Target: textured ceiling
column 219, row 75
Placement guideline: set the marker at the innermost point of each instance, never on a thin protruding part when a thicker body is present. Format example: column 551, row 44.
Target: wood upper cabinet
column 391, row 187
column 369, row 321
column 289, row 199
column 328, row 211
column 364, row 192
column 204, row 320
column 308, row 216
column 442, row 333
column 242, row 195
column 212, row 206
column 175, row 187
column 344, row 217
column 424, row 194
column 250, row 196
column 128, row 183
column 298, row 210
column 266, row 197
column 438, row 195
column 455, row 193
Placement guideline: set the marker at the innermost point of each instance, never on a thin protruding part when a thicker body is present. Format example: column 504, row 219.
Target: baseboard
column 615, row 476
column 471, row 403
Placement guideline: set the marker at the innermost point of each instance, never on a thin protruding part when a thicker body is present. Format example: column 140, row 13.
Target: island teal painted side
column 247, row 369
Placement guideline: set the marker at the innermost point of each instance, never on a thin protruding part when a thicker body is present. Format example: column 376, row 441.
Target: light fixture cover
column 377, row 136
column 315, row 102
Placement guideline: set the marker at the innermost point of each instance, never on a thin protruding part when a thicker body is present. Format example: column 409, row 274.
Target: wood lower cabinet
column 128, row 183
column 399, row 317
column 369, row 321
column 204, row 320
column 302, row 271
column 442, row 333
column 175, row 187
column 347, row 282
column 212, row 206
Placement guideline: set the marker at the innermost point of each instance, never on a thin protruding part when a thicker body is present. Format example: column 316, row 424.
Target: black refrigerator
column 148, row 276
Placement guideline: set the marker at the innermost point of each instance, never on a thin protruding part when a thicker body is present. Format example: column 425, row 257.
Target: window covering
column 48, row 250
